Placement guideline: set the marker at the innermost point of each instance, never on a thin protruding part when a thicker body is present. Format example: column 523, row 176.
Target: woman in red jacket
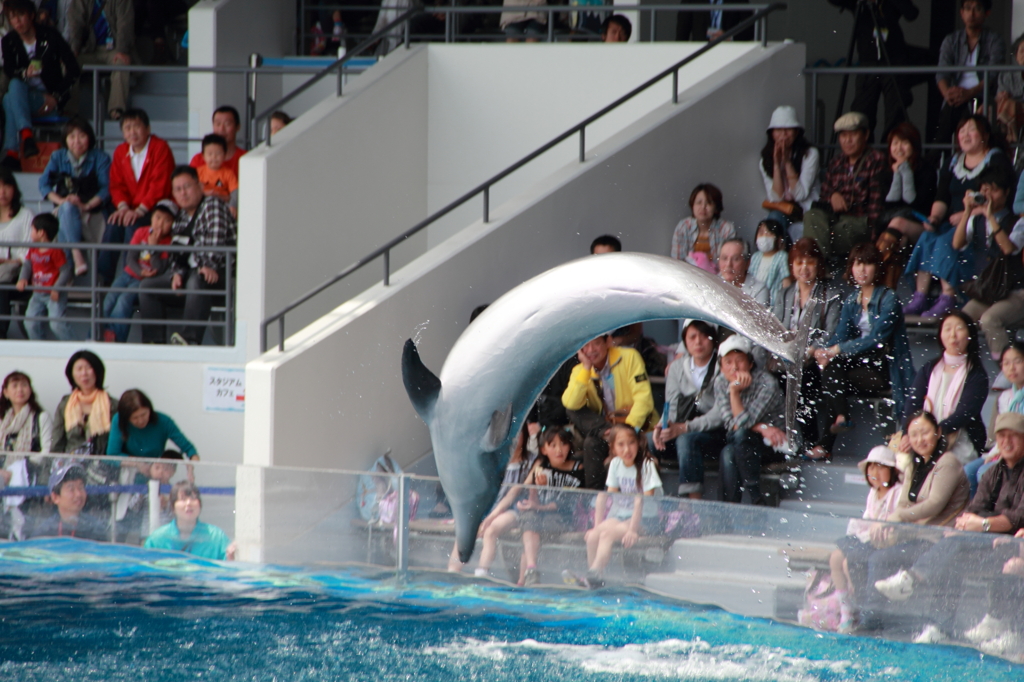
column 140, row 176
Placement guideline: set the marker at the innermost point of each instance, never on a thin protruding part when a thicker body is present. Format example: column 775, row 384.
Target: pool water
column 73, row 610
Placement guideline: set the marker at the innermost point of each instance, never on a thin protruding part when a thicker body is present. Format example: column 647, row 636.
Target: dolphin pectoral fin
column 497, row 432
column 420, row 383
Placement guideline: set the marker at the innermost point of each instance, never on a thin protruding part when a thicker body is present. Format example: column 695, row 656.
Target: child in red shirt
column 138, row 266
column 46, row 267
column 217, row 179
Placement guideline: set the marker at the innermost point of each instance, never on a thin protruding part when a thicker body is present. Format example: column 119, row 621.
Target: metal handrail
column 250, row 73
column 815, row 71
column 336, row 66
column 95, row 290
column 449, row 28
column 485, row 187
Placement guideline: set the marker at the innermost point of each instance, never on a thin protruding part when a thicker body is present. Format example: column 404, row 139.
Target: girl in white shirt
column 633, row 473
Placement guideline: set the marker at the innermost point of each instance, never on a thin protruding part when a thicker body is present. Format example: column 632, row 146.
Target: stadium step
column 735, row 592
column 763, row 577
column 834, row 483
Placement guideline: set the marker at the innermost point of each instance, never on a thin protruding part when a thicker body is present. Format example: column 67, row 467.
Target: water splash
column 418, row 333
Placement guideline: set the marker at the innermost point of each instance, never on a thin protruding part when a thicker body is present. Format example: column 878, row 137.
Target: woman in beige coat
column 935, row 491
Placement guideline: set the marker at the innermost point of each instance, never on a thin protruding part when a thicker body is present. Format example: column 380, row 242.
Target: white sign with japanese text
column 224, row 389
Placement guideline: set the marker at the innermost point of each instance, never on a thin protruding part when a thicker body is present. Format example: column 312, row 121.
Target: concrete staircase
column 164, row 96
column 752, row 576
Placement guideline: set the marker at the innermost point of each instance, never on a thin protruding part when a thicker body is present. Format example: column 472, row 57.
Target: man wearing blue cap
column 67, row 492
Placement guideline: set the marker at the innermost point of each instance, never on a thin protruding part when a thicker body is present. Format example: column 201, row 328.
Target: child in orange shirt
column 217, row 179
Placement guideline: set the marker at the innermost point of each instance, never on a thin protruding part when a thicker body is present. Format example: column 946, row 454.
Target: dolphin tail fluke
column 420, row 383
column 794, row 376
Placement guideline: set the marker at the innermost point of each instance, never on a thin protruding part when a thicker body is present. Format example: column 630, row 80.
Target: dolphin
column 500, row 364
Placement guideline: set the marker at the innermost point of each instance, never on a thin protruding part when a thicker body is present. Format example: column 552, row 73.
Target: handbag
column 686, row 405
column 996, row 281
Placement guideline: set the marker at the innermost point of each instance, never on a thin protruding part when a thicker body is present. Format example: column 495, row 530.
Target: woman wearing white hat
column 789, row 168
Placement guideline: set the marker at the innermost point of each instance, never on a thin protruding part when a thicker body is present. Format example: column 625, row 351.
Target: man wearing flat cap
column 997, row 507
column 853, row 192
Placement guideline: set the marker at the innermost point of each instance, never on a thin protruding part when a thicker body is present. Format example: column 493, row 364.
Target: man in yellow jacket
column 609, row 386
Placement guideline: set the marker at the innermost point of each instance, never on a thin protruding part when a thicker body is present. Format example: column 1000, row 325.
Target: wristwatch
column 986, row 525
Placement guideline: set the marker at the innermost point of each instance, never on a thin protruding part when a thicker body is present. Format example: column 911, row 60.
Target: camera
column 979, row 198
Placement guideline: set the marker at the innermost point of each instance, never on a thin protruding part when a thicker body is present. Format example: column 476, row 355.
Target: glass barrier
column 830, row 573
column 107, row 499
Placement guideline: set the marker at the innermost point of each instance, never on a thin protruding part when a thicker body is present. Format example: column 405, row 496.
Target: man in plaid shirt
column 750, row 404
column 853, row 192
column 201, row 221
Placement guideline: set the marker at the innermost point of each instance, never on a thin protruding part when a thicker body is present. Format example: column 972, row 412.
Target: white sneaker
column 897, row 587
column 989, row 628
column 1007, row 645
column 481, row 573
column 930, row 635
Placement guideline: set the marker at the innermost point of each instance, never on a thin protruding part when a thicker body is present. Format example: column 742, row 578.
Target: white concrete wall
column 335, row 397
column 338, row 182
column 491, row 106
column 410, row 135
column 172, row 378
column 225, row 33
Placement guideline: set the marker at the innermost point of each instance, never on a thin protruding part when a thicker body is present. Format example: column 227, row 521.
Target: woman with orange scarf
column 81, row 424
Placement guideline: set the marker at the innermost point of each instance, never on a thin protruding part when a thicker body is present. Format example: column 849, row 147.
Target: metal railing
column 96, row 291
column 451, row 26
column 403, row 21
column 337, row 66
column 838, row 71
column 485, row 187
column 250, row 73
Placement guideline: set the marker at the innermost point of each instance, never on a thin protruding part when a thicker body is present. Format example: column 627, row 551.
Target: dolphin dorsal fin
column 420, row 383
column 497, row 432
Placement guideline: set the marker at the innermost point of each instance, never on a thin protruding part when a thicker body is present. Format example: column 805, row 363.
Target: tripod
column 870, row 7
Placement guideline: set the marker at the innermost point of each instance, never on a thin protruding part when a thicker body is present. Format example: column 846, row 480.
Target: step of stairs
column 751, row 576
column 831, row 482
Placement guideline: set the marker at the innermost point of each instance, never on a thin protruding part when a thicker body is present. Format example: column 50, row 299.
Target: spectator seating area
column 910, row 272
column 65, row 490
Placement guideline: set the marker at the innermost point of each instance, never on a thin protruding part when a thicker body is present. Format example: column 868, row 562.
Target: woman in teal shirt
column 138, row 430
column 186, row 533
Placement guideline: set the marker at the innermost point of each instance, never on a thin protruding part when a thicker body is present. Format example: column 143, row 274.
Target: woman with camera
column 934, row 254
column 77, row 181
column 989, row 242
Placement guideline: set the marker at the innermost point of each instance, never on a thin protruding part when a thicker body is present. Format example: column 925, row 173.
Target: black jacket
column 60, row 68
column 967, row 414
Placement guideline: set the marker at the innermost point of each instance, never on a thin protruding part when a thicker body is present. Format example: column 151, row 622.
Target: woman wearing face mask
column 953, row 387
column 771, row 262
column 797, row 301
column 698, row 239
column 867, row 354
